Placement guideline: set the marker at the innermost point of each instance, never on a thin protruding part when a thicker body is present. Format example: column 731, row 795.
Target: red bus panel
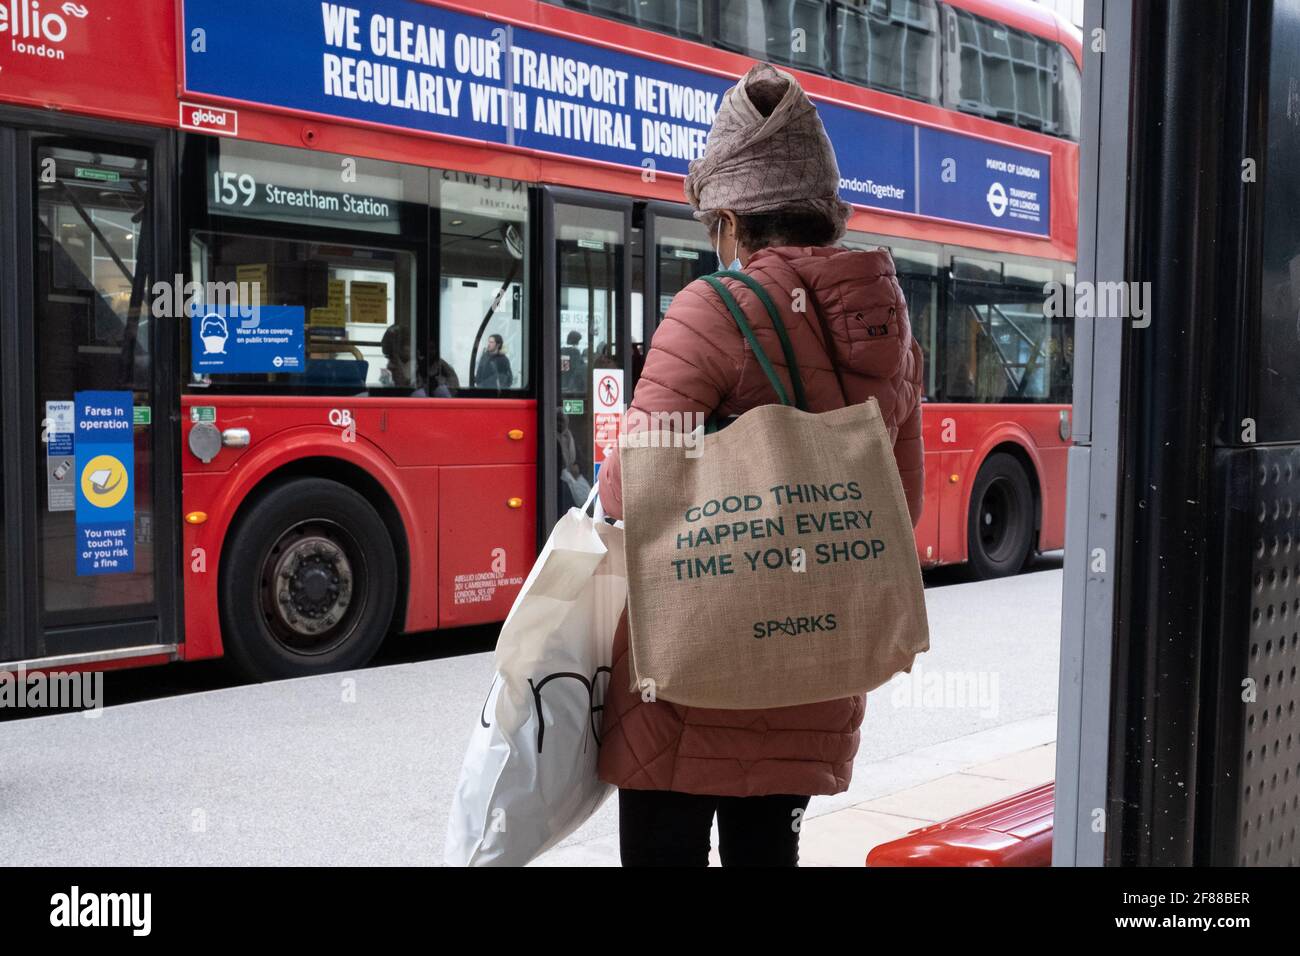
column 449, row 469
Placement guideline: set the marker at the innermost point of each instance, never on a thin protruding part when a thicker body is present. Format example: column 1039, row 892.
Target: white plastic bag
column 529, row 778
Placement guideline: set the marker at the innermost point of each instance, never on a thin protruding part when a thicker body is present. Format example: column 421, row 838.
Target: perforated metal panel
column 1269, row 772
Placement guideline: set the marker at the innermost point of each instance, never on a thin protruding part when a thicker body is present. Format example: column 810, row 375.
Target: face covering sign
column 414, row 66
column 226, row 339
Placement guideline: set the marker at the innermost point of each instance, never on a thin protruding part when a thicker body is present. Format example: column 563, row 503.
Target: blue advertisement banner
column 409, row 65
column 876, row 156
column 105, row 462
column 983, row 183
column 229, row 340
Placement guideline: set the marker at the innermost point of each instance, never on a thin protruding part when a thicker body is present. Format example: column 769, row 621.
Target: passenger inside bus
column 574, row 486
column 493, row 366
column 401, row 372
column 573, row 365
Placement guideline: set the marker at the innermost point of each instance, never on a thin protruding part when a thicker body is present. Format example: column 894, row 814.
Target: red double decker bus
column 313, row 315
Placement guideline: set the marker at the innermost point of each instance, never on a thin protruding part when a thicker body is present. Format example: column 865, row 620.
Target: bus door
column 679, row 253
column 918, row 275
column 587, row 305
column 1001, row 347
column 90, row 514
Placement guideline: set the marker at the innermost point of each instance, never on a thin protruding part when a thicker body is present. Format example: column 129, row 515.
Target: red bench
column 1016, row 831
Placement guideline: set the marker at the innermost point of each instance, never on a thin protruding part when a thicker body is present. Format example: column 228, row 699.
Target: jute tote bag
column 775, row 563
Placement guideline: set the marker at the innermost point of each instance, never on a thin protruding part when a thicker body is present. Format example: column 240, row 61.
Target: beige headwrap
column 754, row 163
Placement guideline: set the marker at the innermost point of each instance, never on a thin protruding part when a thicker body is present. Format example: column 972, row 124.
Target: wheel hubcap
column 313, row 580
column 310, row 580
column 997, row 520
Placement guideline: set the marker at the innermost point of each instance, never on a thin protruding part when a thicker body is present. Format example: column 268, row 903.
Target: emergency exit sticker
column 105, row 482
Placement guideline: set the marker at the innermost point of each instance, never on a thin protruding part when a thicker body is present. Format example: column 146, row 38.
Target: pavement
column 359, row 768
column 915, row 790
column 837, row 838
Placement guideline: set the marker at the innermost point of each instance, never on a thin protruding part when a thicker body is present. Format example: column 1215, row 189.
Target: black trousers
column 667, row 828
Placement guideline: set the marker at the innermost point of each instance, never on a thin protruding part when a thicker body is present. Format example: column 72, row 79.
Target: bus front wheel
column 1000, row 529
column 309, row 582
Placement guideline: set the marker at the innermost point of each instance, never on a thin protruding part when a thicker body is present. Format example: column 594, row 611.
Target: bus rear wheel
column 309, row 583
column 1000, row 529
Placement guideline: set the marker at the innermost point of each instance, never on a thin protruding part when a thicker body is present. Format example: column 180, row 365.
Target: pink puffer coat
column 700, row 362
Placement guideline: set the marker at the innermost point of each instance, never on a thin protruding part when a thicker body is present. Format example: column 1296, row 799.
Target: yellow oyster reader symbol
column 104, row 481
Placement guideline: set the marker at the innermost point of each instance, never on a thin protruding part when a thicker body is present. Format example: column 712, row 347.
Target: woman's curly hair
column 790, row 226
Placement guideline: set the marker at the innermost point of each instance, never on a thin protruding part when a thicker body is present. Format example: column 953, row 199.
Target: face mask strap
column 717, row 251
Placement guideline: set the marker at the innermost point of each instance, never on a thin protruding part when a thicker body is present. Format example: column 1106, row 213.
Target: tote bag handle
column 738, row 314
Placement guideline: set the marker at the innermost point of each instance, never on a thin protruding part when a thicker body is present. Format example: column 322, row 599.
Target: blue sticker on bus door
column 105, row 463
column 227, row 339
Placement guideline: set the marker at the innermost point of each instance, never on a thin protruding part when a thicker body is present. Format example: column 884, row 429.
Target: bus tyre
column 309, row 582
column 1000, row 529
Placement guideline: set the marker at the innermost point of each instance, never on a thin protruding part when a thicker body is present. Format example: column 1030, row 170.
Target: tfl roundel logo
column 997, row 199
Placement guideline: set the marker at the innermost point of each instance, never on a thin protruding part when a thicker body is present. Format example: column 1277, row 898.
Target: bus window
column 1071, row 94
column 339, row 237
column 482, row 255
column 997, row 71
column 918, row 274
column 682, row 254
column 358, row 305
column 892, row 47
column 1000, row 346
column 767, row 31
column 977, row 270
column 682, row 18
